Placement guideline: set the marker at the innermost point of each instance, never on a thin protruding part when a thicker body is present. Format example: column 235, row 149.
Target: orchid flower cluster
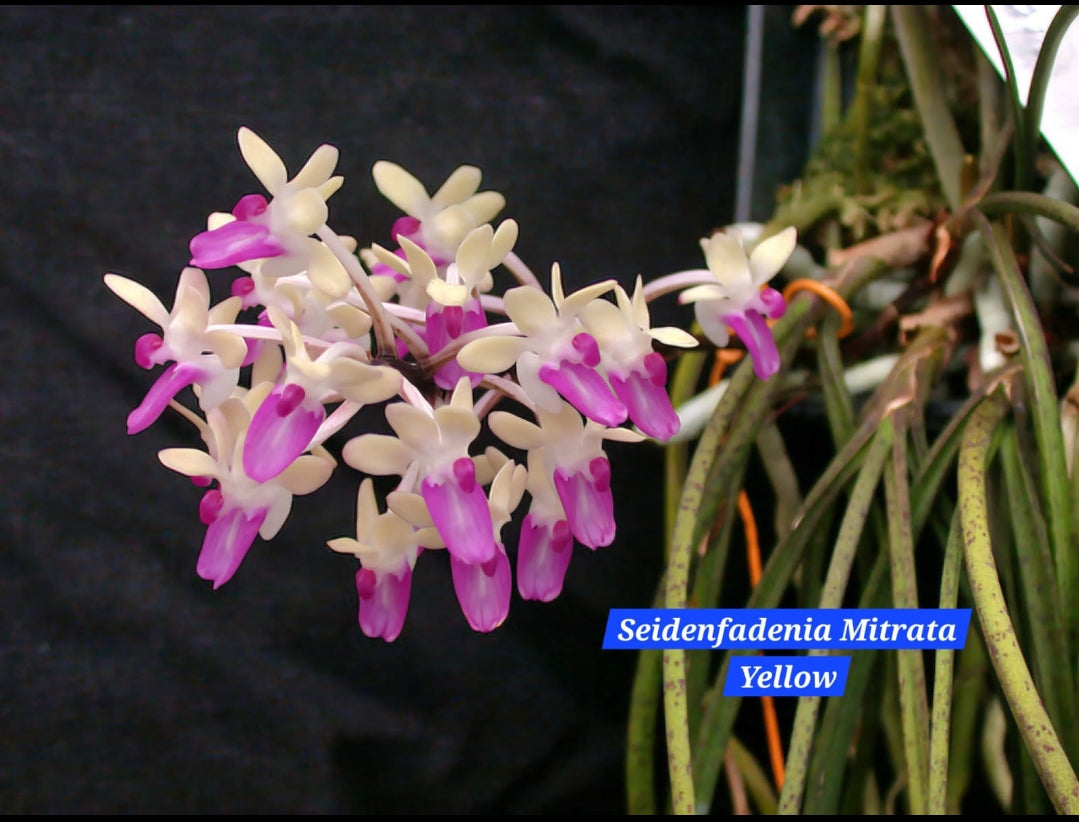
column 409, row 329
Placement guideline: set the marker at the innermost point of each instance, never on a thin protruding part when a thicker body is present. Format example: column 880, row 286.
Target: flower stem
column 379, row 319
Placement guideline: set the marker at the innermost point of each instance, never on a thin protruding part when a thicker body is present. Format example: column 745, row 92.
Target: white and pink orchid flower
column 240, row 508
column 430, row 454
column 636, row 373
column 483, row 588
column 439, row 223
column 288, row 419
column 576, row 465
column 545, row 546
column 278, row 232
column 555, row 355
column 732, row 293
column 199, row 356
column 387, row 548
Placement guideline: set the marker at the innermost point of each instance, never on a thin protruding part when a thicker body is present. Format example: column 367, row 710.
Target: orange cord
column 829, row 296
column 723, row 358
column 768, row 708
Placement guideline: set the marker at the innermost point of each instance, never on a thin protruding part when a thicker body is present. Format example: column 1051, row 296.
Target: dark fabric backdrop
column 126, row 683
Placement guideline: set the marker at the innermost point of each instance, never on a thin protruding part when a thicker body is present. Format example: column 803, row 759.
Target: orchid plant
column 914, row 268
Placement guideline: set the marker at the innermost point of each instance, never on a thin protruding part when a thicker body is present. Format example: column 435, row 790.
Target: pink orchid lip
column 228, row 539
column 280, row 431
column 460, row 512
column 774, row 304
column 445, row 323
column 384, row 599
column 645, row 396
column 233, row 243
column 586, row 391
column 483, row 589
column 543, row 556
column 172, row 380
column 755, row 333
column 588, row 503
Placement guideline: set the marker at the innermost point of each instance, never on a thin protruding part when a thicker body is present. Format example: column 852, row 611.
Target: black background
column 126, row 684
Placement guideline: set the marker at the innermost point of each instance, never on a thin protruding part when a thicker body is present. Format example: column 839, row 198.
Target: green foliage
column 950, row 481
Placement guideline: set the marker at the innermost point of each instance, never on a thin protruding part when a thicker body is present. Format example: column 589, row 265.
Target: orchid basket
column 911, row 297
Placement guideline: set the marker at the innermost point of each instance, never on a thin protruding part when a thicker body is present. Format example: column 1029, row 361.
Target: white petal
column 318, row 168
column 410, row 507
column 327, row 190
column 225, row 312
column 713, row 327
column 445, row 294
column 502, row 243
column 276, row 516
column 669, row 335
column 459, row 186
column 194, row 281
column 450, row 225
column 401, row 188
column 488, row 464
column 365, row 383
column 542, row 394
column 529, row 308
column 772, row 254
column 557, row 294
column 218, row 219
column 639, row 311
column 262, row 160
column 415, row 428
column 700, row 293
column 429, row 538
column 345, row 545
column 483, row 207
column 623, row 435
column 420, row 264
column 190, row 462
column 267, row 366
column 138, row 297
column 387, row 257
column 397, row 540
column 472, row 253
column 726, row 258
column 606, row 322
column 352, row 321
column 507, row 489
column 326, row 272
column 563, row 424
column 491, row 355
column 385, row 287
column 462, row 395
column 515, row 431
column 218, row 387
column 306, row 475
column 291, row 338
column 457, row 425
column 228, row 347
column 377, row 454
column 366, row 508
column 576, row 301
